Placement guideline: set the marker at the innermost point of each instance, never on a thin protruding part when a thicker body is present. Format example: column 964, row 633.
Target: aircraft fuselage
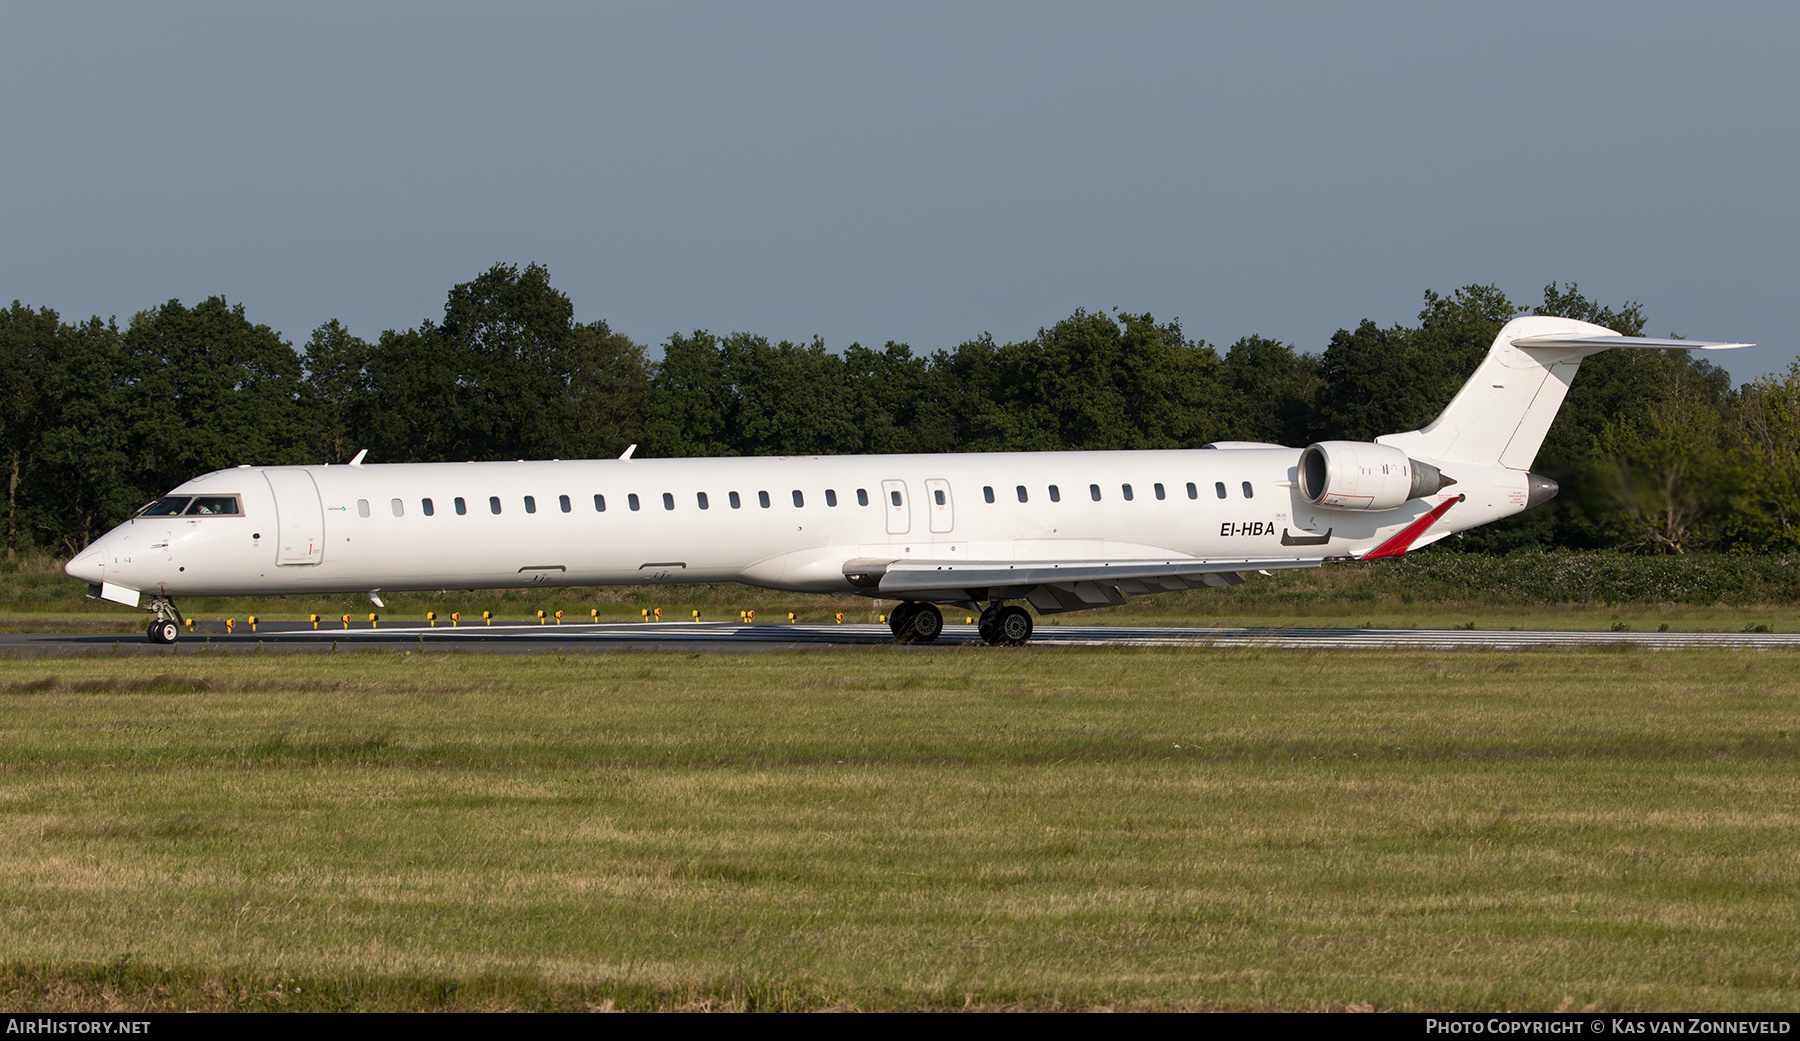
column 781, row 522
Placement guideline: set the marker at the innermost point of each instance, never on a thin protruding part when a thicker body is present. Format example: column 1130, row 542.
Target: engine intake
column 1360, row 475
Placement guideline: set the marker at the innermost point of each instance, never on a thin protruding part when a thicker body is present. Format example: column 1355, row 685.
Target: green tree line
column 1655, row 451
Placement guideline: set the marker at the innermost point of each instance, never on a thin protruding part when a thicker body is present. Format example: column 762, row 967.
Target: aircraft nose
column 86, row 565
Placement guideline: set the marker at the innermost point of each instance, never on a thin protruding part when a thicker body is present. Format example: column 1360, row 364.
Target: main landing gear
column 1004, row 626
column 167, row 626
column 914, row 622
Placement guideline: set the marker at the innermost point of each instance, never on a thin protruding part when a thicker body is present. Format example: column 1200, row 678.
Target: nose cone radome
column 86, row 566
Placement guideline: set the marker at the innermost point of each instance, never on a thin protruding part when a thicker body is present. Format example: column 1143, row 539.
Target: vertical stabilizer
column 1500, row 416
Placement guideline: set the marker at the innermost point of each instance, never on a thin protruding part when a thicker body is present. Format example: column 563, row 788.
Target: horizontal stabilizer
column 1646, row 342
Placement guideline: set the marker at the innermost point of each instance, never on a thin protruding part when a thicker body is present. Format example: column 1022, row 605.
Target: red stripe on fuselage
column 1399, row 544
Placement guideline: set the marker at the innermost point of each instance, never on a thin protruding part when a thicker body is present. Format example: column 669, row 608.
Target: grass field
column 877, row 829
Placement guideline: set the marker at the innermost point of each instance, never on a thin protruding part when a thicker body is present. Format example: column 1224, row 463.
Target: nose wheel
column 167, row 627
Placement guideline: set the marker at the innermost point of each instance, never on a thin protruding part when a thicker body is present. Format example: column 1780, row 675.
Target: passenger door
column 299, row 517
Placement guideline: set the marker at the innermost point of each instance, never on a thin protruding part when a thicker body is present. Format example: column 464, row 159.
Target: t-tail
column 1485, row 441
column 1502, row 414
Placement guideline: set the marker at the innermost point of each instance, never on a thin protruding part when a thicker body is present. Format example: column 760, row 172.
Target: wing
column 1053, row 585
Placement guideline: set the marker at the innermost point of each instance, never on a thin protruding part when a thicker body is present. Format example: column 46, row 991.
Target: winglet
column 627, row 453
column 359, row 458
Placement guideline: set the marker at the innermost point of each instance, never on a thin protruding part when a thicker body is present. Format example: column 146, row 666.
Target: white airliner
column 1062, row 531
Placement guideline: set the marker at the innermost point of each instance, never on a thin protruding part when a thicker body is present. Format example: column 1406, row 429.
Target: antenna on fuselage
column 627, row 453
column 359, row 458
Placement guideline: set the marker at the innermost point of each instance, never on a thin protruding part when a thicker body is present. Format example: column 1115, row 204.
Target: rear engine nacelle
column 1359, row 475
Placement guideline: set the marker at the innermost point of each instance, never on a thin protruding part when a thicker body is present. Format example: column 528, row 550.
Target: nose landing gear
column 167, row 626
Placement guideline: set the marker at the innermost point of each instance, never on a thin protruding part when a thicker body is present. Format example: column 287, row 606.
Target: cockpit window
column 215, row 506
column 169, row 507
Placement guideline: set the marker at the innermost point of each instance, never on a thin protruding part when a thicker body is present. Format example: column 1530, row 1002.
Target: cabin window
column 830, row 497
column 1023, row 495
column 1125, row 490
column 736, row 503
column 1094, row 492
column 987, row 492
column 1159, row 491
column 169, row 507
column 494, row 504
column 426, row 508
column 862, row 497
column 1249, row 492
column 895, row 496
column 530, row 504
column 1193, row 492
column 762, row 499
column 362, row 507
column 398, row 507
column 563, row 501
column 214, row 506
column 799, row 500
column 1055, row 494
column 668, row 500
column 1219, row 487
column 700, row 500
column 937, row 494
column 461, row 506
column 599, row 504
column 631, row 500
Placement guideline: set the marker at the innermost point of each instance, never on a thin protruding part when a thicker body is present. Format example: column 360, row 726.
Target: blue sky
column 917, row 172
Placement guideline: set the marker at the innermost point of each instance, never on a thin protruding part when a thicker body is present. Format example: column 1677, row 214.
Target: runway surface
column 732, row 637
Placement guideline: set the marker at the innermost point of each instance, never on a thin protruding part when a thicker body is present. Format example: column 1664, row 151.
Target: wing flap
column 901, row 579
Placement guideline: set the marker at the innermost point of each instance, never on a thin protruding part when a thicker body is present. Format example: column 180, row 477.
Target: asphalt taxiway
column 732, row 637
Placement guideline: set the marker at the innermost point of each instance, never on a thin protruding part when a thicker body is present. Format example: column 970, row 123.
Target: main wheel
column 1014, row 626
column 988, row 626
column 900, row 618
column 927, row 623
